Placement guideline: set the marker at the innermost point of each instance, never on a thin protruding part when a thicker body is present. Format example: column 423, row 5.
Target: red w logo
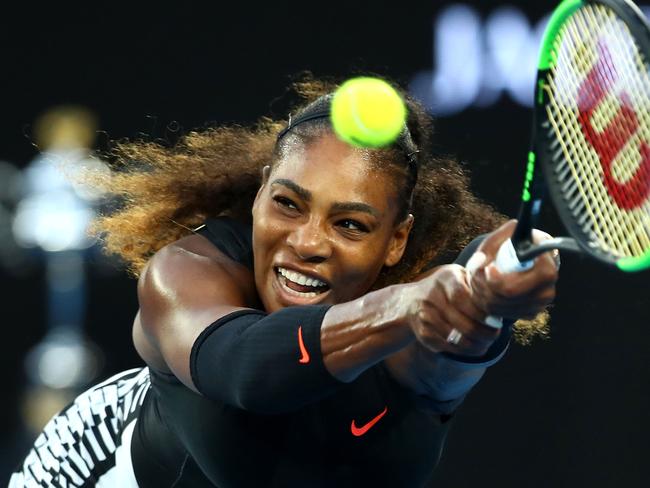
column 618, row 132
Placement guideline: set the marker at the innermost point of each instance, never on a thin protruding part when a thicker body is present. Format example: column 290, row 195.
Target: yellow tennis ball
column 367, row 112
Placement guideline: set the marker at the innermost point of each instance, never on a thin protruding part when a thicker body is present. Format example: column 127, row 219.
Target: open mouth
column 300, row 285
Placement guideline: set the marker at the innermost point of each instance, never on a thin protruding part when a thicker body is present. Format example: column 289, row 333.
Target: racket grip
column 507, row 262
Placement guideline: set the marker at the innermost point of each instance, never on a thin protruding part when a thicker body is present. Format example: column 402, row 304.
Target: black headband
column 304, row 117
column 324, row 112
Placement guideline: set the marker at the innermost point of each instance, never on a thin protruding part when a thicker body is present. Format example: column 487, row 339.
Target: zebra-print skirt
column 88, row 443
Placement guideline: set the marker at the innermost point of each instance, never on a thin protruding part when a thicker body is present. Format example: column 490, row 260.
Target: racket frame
column 517, row 254
column 540, row 178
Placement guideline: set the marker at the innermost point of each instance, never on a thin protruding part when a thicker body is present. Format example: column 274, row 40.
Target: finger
column 472, row 330
column 491, row 244
column 552, row 258
column 429, row 326
column 458, row 312
column 513, row 291
column 481, row 295
column 441, row 315
column 451, row 339
column 540, row 236
column 540, row 297
column 459, row 296
column 472, row 310
column 464, row 344
column 438, row 342
column 459, row 309
column 527, row 304
column 466, row 311
column 509, row 285
column 476, row 262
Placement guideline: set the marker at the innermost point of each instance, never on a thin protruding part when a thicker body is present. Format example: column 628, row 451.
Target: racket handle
column 507, row 262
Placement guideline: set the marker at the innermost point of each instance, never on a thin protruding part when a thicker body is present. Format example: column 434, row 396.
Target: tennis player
column 306, row 315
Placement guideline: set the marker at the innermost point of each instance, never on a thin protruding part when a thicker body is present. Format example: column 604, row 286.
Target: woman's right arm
column 197, row 309
column 199, row 312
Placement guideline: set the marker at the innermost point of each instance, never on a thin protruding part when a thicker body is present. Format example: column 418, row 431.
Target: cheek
column 265, row 234
column 358, row 272
column 264, row 225
column 264, row 239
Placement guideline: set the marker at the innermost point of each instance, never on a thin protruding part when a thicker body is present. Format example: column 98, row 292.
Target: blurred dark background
column 568, row 411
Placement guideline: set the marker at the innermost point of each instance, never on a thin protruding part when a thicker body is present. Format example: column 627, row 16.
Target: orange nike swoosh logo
column 359, row 431
column 303, row 350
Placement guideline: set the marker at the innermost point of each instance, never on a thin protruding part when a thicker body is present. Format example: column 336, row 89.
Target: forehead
column 332, row 169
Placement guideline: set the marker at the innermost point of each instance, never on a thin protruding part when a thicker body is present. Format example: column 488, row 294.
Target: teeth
column 300, row 278
column 300, row 294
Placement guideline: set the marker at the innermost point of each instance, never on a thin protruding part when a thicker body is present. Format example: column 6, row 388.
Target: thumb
column 491, row 244
column 477, row 261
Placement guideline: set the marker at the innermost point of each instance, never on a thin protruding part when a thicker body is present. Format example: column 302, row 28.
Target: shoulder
column 221, row 247
column 184, row 288
column 232, row 237
column 193, row 267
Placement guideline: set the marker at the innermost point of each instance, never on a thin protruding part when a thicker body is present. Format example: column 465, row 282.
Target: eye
column 353, row 225
column 284, row 202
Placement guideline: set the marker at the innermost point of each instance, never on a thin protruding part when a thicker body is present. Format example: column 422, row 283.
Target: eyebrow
column 338, row 206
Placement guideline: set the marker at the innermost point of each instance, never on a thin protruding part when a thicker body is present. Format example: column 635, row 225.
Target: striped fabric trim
column 78, row 446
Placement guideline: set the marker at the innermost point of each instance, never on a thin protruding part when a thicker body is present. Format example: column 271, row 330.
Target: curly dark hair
column 163, row 191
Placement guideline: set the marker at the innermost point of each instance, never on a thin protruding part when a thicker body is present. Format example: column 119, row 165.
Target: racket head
column 592, row 127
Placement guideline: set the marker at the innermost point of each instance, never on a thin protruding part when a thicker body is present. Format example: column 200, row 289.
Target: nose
column 310, row 241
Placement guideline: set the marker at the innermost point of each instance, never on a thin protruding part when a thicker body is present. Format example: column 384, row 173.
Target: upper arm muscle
column 184, row 288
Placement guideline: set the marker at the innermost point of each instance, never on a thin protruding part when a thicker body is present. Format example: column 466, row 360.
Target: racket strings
column 632, row 71
column 581, row 177
column 605, row 113
column 599, row 115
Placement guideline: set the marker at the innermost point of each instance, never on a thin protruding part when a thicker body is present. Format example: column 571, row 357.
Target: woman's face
column 323, row 226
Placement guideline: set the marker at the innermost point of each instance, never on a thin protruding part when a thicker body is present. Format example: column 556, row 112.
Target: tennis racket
column 590, row 145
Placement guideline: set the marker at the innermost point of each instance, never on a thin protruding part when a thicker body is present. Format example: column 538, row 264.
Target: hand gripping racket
column 590, row 138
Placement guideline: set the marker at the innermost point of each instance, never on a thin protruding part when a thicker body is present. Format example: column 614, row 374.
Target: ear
column 398, row 241
column 266, row 172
